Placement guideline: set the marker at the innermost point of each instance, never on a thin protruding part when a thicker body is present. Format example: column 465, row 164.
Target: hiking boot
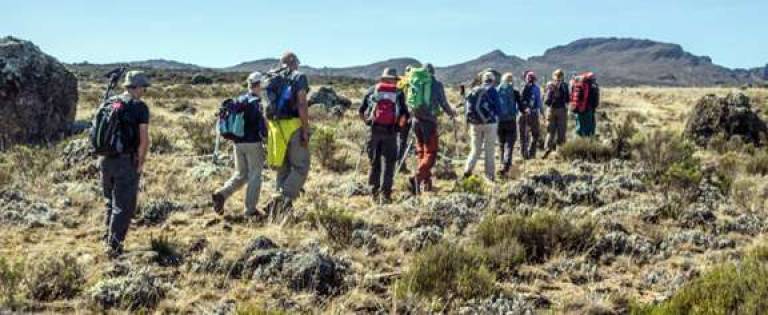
column 375, row 195
column 413, row 185
column 386, row 198
column 427, row 186
column 218, row 203
column 113, row 252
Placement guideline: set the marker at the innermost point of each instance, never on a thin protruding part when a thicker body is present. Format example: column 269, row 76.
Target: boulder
column 728, row 116
column 330, row 99
column 38, row 95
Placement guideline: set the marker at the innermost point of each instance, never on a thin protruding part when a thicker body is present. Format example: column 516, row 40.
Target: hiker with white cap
column 482, row 111
column 248, row 151
column 120, row 171
column 385, row 111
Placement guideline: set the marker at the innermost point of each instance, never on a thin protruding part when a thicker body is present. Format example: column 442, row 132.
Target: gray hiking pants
column 528, row 124
column 120, row 182
column 382, row 148
column 292, row 175
column 249, row 162
column 483, row 140
column 557, row 125
column 507, row 132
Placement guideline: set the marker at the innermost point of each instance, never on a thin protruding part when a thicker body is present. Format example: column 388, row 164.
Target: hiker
column 384, row 110
column 248, row 151
column 509, row 97
column 528, row 121
column 404, row 132
column 585, row 98
column 425, row 99
column 288, row 131
column 482, row 108
column 557, row 96
column 120, row 173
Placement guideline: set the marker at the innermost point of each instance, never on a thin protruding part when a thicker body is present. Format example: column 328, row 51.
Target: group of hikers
column 269, row 124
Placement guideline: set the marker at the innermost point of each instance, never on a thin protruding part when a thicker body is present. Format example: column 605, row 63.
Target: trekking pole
column 216, row 142
column 357, row 169
column 113, row 77
column 407, row 150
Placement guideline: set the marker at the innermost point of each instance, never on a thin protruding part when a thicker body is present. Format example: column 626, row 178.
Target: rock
column 697, row 214
column 362, row 238
column 38, row 95
column 748, row 224
column 456, row 209
column 332, row 102
column 501, row 304
column 137, row 290
column 420, row 238
column 314, row 272
column 17, row 208
column 622, row 243
column 157, row 211
column 201, row 79
column 726, row 116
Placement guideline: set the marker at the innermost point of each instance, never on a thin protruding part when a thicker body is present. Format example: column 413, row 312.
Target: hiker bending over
column 482, row 108
column 384, row 110
column 120, row 172
column 248, row 150
column 425, row 99
column 288, row 131
column 509, row 97
column 530, row 111
column 585, row 97
column 557, row 113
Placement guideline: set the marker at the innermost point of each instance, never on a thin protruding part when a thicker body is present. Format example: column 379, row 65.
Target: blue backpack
column 479, row 103
column 281, row 94
column 507, row 102
column 231, row 123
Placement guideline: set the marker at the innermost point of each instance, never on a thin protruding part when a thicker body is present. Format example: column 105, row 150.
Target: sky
column 339, row 33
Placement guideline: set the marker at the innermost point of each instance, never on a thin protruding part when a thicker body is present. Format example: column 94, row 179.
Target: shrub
column 502, row 256
column 622, row 134
column 659, row 150
column 541, row 234
column 28, row 162
column 200, row 79
column 337, row 223
column 471, row 185
column 443, row 270
column 683, row 176
column 55, row 277
column 758, row 163
column 325, row 146
column 168, row 253
column 200, row 134
column 588, row 149
column 11, row 275
column 733, row 288
column 161, row 143
column 256, row 309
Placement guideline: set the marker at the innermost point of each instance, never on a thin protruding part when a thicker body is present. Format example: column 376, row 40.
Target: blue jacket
column 531, row 98
column 255, row 125
column 488, row 114
column 508, row 102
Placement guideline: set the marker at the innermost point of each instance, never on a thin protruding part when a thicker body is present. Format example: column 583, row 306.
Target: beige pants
column 483, row 139
column 249, row 162
column 557, row 125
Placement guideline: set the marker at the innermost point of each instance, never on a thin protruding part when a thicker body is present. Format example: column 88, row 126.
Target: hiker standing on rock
column 120, row 172
column 530, row 110
column 585, row 97
column 557, row 96
column 288, row 132
column 509, row 97
column 384, row 110
column 482, row 110
column 248, row 151
column 425, row 98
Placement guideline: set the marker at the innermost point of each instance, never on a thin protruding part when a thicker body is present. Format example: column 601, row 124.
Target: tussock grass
column 54, row 277
column 11, row 276
column 167, row 249
column 337, row 223
column 588, row 149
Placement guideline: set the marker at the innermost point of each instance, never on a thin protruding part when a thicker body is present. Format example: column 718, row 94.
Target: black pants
column 382, row 149
column 507, row 135
column 120, row 181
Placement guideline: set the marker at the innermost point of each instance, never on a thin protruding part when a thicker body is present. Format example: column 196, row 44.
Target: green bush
column 540, row 235
column 161, row 142
column 55, row 277
column 588, row 149
column 621, row 137
column 472, row 185
column 167, row 250
column 11, row 276
column 659, row 150
column 733, row 288
column 337, row 223
column 758, row 163
column 256, row 309
column 200, row 135
column 445, row 270
column 325, row 146
column 683, row 176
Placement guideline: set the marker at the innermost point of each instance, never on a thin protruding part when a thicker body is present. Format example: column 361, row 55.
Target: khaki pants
column 249, row 162
column 292, row 175
column 483, row 139
column 528, row 123
column 557, row 124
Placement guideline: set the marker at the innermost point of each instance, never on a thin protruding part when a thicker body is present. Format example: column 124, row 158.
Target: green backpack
column 419, row 90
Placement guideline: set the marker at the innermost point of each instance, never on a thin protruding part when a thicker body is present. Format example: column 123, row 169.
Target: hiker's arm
column 141, row 155
column 444, row 103
column 550, row 95
column 364, row 105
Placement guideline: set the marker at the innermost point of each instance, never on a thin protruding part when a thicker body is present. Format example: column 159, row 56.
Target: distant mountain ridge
column 617, row 62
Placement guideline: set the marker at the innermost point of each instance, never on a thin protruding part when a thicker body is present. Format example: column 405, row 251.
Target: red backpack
column 580, row 91
column 385, row 111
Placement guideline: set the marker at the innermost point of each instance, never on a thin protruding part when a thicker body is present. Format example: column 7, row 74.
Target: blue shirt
column 531, row 98
column 507, row 102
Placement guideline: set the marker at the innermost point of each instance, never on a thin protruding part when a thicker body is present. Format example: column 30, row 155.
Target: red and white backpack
column 385, row 111
column 581, row 87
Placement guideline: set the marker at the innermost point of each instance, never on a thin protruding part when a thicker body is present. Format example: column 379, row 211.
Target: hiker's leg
column 124, row 198
column 522, row 127
column 421, row 152
column 240, row 174
column 501, row 135
column 432, row 147
column 389, row 154
column 562, row 125
column 534, row 124
column 299, row 161
column 552, row 128
column 490, row 150
column 108, row 186
column 255, row 157
column 374, row 155
column 581, row 125
column 475, row 136
column 591, row 123
column 511, row 139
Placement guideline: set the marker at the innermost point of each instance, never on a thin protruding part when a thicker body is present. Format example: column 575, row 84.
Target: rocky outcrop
column 38, row 95
column 729, row 116
column 331, row 101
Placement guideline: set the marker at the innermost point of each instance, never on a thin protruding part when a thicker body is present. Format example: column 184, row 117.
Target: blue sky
column 344, row 33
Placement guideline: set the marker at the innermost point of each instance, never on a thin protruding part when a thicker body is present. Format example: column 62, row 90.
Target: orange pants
column 426, row 151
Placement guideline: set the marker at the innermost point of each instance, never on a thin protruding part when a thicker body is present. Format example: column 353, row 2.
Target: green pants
column 585, row 123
